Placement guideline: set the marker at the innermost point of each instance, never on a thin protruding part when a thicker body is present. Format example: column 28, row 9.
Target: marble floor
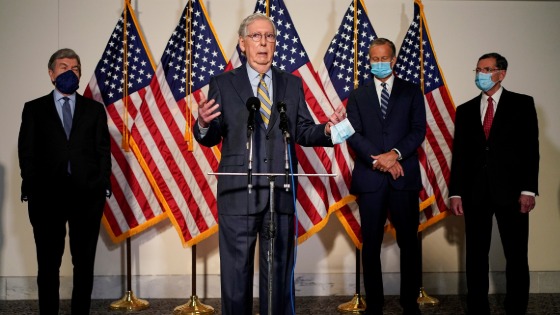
column 539, row 304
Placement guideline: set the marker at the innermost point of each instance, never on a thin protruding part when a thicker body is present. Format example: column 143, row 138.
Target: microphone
column 253, row 104
column 281, row 106
column 284, row 127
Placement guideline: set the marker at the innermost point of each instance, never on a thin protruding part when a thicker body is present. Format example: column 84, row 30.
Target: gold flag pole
column 423, row 297
column 129, row 301
column 193, row 305
column 357, row 304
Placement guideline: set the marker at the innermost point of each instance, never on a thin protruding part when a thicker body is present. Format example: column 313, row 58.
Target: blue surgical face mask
column 381, row 69
column 484, row 81
column 67, row 82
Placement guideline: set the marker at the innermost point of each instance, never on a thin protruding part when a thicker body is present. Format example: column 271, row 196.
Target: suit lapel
column 500, row 110
column 279, row 90
column 52, row 113
column 372, row 95
column 396, row 92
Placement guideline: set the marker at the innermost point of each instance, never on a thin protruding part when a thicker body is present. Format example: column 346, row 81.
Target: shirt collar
column 58, row 96
column 389, row 82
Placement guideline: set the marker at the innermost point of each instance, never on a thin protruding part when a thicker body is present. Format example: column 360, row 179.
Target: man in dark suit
column 242, row 215
column 65, row 162
column 390, row 125
column 494, row 171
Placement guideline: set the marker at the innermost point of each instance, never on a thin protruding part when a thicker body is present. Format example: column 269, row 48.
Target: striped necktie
column 384, row 99
column 266, row 104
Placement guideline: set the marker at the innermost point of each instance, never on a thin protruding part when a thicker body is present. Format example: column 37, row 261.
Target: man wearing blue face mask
column 490, row 176
column 65, row 161
column 389, row 120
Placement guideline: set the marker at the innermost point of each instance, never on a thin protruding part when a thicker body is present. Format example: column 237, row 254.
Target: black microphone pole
column 284, row 127
column 253, row 104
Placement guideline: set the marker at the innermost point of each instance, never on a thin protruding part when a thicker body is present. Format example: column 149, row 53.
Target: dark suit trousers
column 402, row 206
column 514, row 234
column 238, row 237
column 49, row 213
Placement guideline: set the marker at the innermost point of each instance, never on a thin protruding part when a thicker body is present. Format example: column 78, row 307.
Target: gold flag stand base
column 425, row 299
column 192, row 307
column 130, row 302
column 356, row 305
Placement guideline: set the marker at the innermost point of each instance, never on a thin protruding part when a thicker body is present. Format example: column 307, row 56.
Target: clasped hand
column 387, row 162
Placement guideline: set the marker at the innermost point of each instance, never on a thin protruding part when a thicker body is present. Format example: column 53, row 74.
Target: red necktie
column 487, row 124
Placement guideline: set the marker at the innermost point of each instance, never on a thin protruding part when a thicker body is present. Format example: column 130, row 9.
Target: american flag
column 120, row 81
column 192, row 56
column 417, row 63
column 337, row 75
column 314, row 194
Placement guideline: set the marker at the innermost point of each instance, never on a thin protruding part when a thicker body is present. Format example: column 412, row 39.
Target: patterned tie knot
column 384, row 99
column 264, row 97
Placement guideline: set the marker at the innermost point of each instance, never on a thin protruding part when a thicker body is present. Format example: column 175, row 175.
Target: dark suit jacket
column 510, row 156
column 44, row 150
column 231, row 90
column 403, row 128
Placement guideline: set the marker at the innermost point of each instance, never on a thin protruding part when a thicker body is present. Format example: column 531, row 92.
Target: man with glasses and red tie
column 243, row 212
column 494, row 172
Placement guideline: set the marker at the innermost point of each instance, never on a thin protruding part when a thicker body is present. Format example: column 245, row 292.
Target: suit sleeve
column 409, row 144
column 214, row 134
column 363, row 147
column 530, row 173
column 308, row 133
column 103, row 147
column 458, row 156
column 25, row 150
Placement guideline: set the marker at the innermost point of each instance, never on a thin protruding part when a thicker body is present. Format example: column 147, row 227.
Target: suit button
column 267, row 137
column 487, row 148
column 266, row 160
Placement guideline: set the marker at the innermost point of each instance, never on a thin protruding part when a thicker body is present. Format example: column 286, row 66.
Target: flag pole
column 193, row 306
column 129, row 301
column 357, row 303
column 423, row 297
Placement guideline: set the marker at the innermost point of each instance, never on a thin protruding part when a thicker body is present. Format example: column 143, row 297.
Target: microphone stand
column 271, row 233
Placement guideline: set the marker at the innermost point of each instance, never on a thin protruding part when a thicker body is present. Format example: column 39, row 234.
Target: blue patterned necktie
column 266, row 104
column 67, row 116
column 384, row 99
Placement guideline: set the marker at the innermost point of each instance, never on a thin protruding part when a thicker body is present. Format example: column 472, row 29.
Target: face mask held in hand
column 67, row 82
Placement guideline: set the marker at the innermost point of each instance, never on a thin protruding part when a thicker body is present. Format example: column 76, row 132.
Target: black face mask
column 67, row 82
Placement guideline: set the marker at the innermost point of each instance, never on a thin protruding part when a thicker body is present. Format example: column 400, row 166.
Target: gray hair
column 383, row 41
column 242, row 32
column 64, row 53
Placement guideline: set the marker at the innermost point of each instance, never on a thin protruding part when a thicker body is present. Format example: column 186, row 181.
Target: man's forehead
column 67, row 62
column 261, row 23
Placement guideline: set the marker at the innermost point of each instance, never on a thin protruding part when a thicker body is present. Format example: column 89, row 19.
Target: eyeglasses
column 382, row 59
column 256, row 37
column 486, row 70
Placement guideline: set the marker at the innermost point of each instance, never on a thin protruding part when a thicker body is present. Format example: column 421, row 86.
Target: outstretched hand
column 207, row 111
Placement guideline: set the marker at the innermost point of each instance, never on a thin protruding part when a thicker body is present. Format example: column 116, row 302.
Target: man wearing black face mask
column 65, row 162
